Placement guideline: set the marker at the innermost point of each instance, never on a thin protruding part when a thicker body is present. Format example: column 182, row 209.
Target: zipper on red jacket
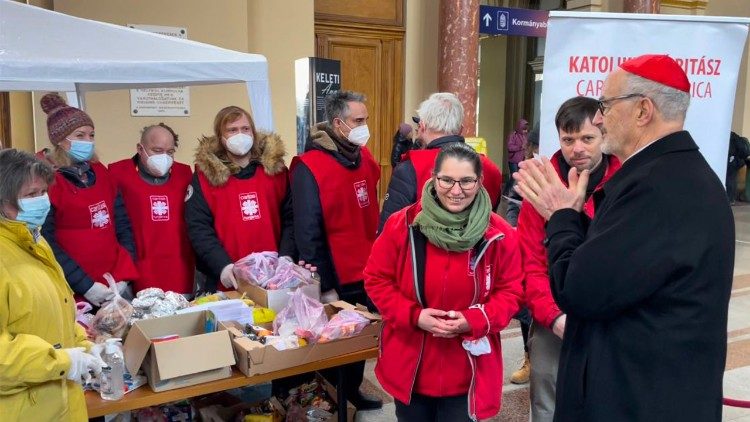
column 415, row 276
column 421, row 303
column 476, row 263
column 471, row 396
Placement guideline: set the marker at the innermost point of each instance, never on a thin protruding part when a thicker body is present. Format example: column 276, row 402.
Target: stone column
column 458, row 49
column 641, row 6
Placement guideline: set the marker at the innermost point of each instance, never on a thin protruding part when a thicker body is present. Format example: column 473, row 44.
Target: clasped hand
column 538, row 183
column 447, row 324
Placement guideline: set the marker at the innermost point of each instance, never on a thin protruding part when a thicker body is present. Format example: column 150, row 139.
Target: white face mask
column 359, row 135
column 240, row 143
column 159, row 164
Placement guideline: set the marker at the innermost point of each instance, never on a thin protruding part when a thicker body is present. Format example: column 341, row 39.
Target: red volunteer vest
column 85, row 226
column 424, row 162
column 349, row 201
column 157, row 215
column 247, row 212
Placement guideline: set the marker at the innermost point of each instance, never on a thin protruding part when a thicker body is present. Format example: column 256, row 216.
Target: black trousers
column 438, row 409
column 354, row 372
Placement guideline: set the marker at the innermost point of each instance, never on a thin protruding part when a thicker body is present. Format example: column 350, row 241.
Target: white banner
column 583, row 48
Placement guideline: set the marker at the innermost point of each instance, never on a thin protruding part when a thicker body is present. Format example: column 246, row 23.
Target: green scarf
column 455, row 232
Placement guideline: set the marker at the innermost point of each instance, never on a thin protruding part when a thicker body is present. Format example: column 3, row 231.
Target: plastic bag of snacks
column 111, row 321
column 303, row 316
column 346, row 323
column 256, row 268
column 288, row 275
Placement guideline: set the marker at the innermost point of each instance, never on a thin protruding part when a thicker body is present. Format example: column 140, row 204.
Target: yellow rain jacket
column 37, row 314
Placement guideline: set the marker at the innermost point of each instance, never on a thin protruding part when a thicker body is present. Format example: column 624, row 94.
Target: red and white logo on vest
column 249, row 206
column 159, row 207
column 360, row 189
column 99, row 215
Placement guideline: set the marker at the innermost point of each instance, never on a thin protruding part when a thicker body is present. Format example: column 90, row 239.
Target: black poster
column 315, row 77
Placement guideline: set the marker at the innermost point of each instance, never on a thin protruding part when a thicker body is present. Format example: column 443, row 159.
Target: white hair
column 442, row 112
column 671, row 102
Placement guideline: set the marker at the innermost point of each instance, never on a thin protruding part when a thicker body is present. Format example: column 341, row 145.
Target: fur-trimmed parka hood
column 211, row 157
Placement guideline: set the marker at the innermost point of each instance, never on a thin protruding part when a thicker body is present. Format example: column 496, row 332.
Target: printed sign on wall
column 173, row 102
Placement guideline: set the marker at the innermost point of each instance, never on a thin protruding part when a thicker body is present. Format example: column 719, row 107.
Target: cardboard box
column 276, row 299
column 254, row 358
column 193, row 358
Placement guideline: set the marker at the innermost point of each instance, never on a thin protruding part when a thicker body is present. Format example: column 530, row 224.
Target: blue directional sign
column 511, row 21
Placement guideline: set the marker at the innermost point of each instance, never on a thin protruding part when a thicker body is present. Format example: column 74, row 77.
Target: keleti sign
column 511, row 21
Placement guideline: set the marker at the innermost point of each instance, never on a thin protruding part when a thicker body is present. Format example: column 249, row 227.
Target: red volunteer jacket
column 531, row 226
column 157, row 214
column 84, row 226
column 410, row 359
column 424, row 161
column 349, row 202
column 247, row 206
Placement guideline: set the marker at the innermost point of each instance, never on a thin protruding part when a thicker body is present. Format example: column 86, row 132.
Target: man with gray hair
column 334, row 194
column 440, row 120
column 646, row 283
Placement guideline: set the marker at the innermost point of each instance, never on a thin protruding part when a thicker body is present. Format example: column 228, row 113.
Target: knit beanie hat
column 62, row 119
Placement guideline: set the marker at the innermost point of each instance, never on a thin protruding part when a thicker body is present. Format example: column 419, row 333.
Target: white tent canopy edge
column 43, row 50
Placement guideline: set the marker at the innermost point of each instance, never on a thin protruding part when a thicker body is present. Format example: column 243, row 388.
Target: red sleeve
column 506, row 296
column 381, row 278
column 538, row 293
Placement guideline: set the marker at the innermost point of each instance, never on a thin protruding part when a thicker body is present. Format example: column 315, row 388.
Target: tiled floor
column 736, row 377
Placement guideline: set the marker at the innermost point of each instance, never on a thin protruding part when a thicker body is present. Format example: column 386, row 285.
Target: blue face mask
column 81, row 150
column 33, row 211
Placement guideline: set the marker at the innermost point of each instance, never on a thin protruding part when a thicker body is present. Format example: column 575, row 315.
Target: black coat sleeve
column 286, row 244
column 402, row 191
column 78, row 280
column 309, row 230
column 631, row 254
column 123, row 229
column 209, row 252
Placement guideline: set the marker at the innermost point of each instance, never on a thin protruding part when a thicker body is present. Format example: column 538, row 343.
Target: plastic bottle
column 111, row 382
column 314, row 274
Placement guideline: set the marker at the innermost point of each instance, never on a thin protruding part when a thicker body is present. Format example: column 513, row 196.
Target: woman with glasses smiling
column 445, row 274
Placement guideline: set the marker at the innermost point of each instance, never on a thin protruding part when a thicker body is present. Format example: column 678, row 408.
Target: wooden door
column 372, row 62
column 4, row 120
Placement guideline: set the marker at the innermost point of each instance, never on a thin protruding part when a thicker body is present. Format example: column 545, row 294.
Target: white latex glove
column 125, row 290
column 97, row 349
column 227, row 277
column 81, row 363
column 329, row 296
column 98, row 294
column 558, row 327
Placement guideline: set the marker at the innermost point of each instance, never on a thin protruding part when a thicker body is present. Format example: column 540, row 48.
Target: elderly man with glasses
column 646, row 283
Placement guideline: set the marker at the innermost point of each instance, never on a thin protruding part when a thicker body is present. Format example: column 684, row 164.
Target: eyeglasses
column 605, row 103
column 466, row 183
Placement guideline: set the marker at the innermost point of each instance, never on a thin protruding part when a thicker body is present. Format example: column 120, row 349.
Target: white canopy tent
column 42, row 50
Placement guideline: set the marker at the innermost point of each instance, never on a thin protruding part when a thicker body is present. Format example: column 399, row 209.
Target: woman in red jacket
column 446, row 275
column 87, row 226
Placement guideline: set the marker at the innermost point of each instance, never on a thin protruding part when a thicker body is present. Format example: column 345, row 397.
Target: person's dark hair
column 460, row 151
column 573, row 113
column 147, row 129
column 18, row 168
column 336, row 104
